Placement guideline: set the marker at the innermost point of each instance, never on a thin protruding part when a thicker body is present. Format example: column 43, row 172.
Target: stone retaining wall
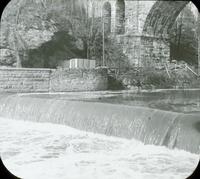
column 46, row 80
column 24, row 80
column 79, row 80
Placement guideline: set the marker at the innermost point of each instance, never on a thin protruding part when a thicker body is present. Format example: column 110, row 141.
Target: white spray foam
column 48, row 151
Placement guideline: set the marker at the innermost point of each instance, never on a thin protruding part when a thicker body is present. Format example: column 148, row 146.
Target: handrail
column 191, row 70
column 167, row 70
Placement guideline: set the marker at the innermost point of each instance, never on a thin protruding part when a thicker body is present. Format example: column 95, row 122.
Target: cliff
column 26, row 25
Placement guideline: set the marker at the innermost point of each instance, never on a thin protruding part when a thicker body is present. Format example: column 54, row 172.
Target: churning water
column 49, row 151
column 132, row 142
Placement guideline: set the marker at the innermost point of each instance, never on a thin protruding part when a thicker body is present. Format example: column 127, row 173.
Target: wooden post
column 18, row 64
column 198, row 38
column 199, row 56
column 17, row 53
column 103, row 41
column 139, row 49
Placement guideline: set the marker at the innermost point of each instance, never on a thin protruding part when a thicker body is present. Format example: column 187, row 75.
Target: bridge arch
column 158, row 23
column 162, row 16
column 120, row 17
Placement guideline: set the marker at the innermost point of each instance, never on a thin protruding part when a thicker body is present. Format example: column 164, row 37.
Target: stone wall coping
column 81, row 69
column 27, row 69
column 52, row 69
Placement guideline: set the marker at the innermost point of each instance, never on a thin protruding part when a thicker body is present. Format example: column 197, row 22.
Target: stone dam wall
column 150, row 126
column 50, row 80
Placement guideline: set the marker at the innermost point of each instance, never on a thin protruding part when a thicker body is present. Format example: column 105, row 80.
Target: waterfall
column 151, row 126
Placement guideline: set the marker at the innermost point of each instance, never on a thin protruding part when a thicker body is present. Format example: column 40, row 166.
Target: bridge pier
column 144, row 50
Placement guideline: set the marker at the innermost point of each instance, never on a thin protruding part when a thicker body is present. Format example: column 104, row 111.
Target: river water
column 184, row 101
column 50, row 151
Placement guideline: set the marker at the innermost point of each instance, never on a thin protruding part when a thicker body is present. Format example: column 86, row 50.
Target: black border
column 4, row 172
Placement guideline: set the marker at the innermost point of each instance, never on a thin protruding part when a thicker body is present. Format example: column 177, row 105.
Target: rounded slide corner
column 5, row 173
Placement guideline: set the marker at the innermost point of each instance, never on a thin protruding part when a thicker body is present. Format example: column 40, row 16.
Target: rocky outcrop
column 26, row 25
column 23, row 26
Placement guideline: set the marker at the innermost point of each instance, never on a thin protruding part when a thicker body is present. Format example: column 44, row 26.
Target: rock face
column 26, row 25
column 23, row 27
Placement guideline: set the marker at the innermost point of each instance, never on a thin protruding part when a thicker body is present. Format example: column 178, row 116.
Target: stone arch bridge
column 141, row 26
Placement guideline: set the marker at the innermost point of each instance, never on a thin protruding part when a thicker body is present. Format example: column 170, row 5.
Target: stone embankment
column 51, row 80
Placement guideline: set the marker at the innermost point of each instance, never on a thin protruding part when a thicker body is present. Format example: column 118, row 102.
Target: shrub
column 158, row 79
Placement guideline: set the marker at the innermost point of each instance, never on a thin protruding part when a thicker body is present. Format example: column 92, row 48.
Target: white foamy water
column 49, row 151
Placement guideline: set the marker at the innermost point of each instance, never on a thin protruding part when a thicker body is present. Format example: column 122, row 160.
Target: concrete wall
column 78, row 80
column 46, row 80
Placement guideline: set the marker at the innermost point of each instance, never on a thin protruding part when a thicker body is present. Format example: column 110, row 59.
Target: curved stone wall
column 78, row 80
